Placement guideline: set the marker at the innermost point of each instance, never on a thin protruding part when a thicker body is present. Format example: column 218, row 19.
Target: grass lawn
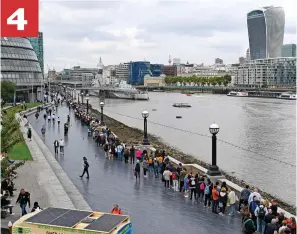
column 20, row 152
column 16, row 109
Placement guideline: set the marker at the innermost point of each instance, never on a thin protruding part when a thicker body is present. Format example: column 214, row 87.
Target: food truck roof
column 77, row 219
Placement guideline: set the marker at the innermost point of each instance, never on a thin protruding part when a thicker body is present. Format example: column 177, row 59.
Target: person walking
column 174, row 181
column 166, row 176
column 23, row 199
column 132, row 154
column 182, row 176
column 61, row 144
column 137, row 170
column 86, row 168
column 145, row 167
column 244, row 197
column 43, row 130
column 56, row 146
column 29, row 134
column 232, row 200
column 126, row 154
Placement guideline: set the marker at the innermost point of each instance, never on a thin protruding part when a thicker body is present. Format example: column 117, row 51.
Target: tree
column 8, row 89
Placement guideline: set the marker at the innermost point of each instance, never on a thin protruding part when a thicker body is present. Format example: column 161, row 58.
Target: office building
column 77, row 71
column 266, row 32
column 122, row 71
column 169, row 70
column 289, row 50
column 154, row 81
column 37, row 44
column 248, row 55
column 20, row 65
column 267, row 73
column 218, row 61
column 137, row 71
column 241, row 60
column 156, row 69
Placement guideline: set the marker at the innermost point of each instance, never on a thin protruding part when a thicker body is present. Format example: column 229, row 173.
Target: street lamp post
column 87, row 98
column 145, row 114
column 82, row 98
column 74, row 94
column 102, row 105
column 78, row 98
column 214, row 169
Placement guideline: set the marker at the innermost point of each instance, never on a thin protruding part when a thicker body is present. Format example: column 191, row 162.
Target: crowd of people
column 258, row 215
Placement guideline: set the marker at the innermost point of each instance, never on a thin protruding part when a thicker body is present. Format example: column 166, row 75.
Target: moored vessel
column 238, row 94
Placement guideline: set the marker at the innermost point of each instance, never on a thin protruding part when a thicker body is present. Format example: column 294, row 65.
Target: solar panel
column 70, row 218
column 106, row 223
column 47, row 215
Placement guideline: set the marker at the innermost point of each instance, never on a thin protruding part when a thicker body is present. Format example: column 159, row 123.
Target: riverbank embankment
column 134, row 136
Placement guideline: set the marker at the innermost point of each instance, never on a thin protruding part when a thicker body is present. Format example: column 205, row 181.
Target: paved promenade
column 152, row 208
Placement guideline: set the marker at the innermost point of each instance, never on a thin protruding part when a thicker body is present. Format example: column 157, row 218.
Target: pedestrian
column 48, row 118
column 145, row 167
column 137, row 170
column 43, row 130
column 156, row 168
column 260, row 212
column 174, row 181
column 244, row 196
column 186, row 185
column 232, row 200
column 182, row 176
column 61, row 144
column 201, row 189
column 252, row 207
column 29, row 134
column 215, row 199
column 223, row 200
column 192, row 183
column 126, row 154
column 86, row 168
column 248, row 225
column 132, row 154
column 166, row 176
column 56, row 146
column 106, row 150
column 119, row 151
column 23, row 199
column 207, row 194
column 36, row 207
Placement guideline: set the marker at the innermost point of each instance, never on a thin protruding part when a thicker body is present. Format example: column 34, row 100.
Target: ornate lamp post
column 145, row 115
column 78, row 98
column 102, row 105
column 214, row 169
column 87, row 98
column 82, row 98
column 74, row 94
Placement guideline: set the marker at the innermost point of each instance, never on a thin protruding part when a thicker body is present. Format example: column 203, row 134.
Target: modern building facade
column 20, row 65
column 266, row 32
column 156, row 69
column 154, row 81
column 122, row 71
column 37, row 44
column 169, row 70
column 137, row 71
column 289, row 50
column 267, row 73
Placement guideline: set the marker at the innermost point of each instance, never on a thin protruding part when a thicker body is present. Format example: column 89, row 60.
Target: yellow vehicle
column 66, row 221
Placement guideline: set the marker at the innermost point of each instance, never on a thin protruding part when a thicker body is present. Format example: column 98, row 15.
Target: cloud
column 119, row 31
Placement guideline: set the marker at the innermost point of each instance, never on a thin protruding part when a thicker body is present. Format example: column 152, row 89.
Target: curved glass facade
column 266, row 32
column 19, row 63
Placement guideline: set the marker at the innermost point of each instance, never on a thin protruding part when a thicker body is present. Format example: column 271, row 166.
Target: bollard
column 10, row 227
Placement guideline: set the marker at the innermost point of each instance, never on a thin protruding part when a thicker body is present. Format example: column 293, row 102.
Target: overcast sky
column 79, row 32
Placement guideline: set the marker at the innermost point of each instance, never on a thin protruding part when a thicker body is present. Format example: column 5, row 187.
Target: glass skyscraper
column 37, row 44
column 156, row 69
column 266, row 32
column 289, row 50
column 137, row 71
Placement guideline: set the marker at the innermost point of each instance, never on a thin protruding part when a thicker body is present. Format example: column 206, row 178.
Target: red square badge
column 19, row 18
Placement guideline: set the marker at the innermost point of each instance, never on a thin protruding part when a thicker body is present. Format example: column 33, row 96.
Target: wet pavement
column 152, row 208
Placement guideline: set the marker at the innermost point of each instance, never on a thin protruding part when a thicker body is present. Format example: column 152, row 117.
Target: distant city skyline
column 120, row 32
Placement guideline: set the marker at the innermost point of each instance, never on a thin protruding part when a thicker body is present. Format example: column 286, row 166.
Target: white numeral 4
column 20, row 21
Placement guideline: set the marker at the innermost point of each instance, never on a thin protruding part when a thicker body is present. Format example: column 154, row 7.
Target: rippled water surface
column 264, row 126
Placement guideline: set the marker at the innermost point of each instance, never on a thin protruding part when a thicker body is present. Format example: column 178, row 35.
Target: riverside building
column 266, row 32
column 20, row 65
column 289, row 50
column 269, row 72
column 122, row 71
column 37, row 44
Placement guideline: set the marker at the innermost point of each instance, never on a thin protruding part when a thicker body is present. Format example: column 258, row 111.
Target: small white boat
column 238, row 94
column 287, row 96
column 181, row 105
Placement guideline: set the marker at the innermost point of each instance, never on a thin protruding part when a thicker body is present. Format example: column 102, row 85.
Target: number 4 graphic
column 20, row 21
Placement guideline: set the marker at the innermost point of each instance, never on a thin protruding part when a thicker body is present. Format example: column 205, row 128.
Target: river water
column 267, row 127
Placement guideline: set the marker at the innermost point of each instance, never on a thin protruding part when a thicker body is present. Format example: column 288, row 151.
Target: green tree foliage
column 201, row 81
column 7, row 90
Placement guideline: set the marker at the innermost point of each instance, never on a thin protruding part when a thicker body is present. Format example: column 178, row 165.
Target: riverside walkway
column 152, row 208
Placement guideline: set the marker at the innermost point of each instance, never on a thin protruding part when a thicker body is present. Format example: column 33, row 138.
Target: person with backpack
column 223, row 200
column 174, row 181
column 207, row 194
column 260, row 212
column 137, row 170
column 145, row 167
column 192, row 184
column 201, row 187
column 248, row 224
column 252, row 207
column 150, row 163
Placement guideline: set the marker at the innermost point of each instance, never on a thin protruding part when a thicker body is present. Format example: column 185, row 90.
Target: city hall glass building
column 266, row 32
column 20, row 65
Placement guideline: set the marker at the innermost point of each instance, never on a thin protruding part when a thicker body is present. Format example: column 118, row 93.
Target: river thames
column 267, row 127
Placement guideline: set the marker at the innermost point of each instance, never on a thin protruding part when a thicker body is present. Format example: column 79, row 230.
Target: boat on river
column 287, row 96
column 238, row 94
column 181, row 105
